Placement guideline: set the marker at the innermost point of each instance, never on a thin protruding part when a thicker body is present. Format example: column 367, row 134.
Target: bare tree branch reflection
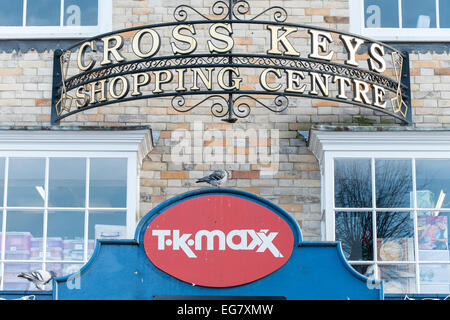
column 393, row 183
column 353, row 189
column 354, row 230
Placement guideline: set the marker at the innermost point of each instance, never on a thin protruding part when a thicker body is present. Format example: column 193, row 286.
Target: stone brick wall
column 25, row 98
column 430, row 89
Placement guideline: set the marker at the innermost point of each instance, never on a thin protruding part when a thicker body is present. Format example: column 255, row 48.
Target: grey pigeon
column 217, row 178
column 39, row 277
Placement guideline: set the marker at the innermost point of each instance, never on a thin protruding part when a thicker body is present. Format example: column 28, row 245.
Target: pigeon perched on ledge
column 39, row 277
column 217, row 178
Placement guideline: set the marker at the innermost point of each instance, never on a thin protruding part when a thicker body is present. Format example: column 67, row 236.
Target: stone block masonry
column 292, row 181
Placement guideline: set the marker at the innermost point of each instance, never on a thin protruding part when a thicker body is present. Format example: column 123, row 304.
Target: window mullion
column 363, row 17
column 416, row 234
column 3, row 240
column 86, row 211
column 5, row 199
column 132, row 202
column 330, row 213
column 61, row 15
column 374, row 219
column 44, row 242
column 24, row 16
column 438, row 22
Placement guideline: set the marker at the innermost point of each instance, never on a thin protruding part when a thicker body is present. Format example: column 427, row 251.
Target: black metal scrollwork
column 281, row 103
column 240, row 107
column 218, row 108
column 242, row 8
column 219, row 9
column 180, row 14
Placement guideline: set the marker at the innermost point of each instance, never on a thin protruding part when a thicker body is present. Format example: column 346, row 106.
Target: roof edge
column 75, row 128
column 337, row 128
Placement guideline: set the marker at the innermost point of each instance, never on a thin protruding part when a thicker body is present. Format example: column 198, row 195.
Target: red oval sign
column 218, row 241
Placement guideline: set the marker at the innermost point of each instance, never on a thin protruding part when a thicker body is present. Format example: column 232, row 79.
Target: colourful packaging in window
column 432, row 233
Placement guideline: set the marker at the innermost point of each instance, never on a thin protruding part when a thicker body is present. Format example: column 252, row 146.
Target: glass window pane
column 2, row 180
column 12, row 282
column 26, row 182
column 1, row 233
column 107, row 225
column 65, row 232
column 444, row 13
column 393, row 183
column 67, row 182
column 108, row 183
column 80, row 12
column 352, row 183
column 354, row 230
column 398, row 278
column 381, row 14
column 435, row 278
column 11, row 13
column 418, row 14
column 433, row 183
column 395, row 240
column 24, row 235
column 43, row 12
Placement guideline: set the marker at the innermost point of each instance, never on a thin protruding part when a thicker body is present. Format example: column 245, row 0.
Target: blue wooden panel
column 120, row 270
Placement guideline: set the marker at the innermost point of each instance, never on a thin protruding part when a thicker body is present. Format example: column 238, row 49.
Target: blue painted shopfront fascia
column 121, row 270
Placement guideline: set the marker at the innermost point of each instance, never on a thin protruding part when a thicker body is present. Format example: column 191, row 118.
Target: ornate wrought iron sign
column 229, row 72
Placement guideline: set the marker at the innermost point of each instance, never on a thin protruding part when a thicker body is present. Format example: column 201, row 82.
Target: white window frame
column 132, row 145
column 357, row 26
column 62, row 32
column 396, row 144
